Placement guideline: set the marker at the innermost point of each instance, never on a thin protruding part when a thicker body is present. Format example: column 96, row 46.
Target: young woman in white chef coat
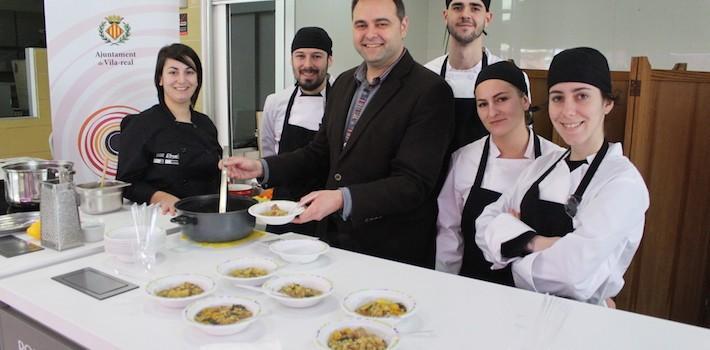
column 573, row 221
column 481, row 170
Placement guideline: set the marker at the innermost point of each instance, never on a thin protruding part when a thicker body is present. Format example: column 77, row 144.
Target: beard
column 463, row 38
column 310, row 84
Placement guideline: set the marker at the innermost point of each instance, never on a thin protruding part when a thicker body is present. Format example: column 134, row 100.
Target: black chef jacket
column 158, row 153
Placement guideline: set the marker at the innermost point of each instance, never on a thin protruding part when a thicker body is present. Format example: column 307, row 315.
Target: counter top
column 46, row 257
column 462, row 313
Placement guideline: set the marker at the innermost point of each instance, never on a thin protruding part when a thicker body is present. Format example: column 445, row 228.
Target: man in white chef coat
column 292, row 117
column 466, row 22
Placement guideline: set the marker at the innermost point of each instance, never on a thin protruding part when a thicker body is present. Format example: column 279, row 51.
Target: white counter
column 463, row 313
column 46, row 257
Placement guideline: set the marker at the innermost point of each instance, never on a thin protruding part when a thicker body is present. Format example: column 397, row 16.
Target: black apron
column 469, row 127
column 552, row 219
column 474, row 264
column 294, row 137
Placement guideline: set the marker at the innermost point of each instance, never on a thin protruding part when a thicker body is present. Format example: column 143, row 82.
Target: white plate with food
column 357, row 333
column 177, row 291
column 384, row 305
column 249, row 271
column 299, row 251
column 222, row 315
column 278, row 212
column 298, row 290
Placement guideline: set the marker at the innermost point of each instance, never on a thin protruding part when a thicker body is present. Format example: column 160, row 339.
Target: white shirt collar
column 475, row 69
column 529, row 150
column 300, row 92
column 614, row 149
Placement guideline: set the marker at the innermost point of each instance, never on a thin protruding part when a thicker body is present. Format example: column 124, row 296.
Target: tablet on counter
column 95, row 283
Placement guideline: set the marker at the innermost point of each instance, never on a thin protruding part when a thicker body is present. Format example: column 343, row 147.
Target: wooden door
column 668, row 139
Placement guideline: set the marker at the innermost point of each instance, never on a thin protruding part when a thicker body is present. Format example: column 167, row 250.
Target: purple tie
column 357, row 112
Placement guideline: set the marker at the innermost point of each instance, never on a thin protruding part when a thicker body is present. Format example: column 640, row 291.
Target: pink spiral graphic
column 98, row 138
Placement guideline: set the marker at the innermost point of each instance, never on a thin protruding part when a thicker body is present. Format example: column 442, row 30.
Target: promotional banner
column 101, row 58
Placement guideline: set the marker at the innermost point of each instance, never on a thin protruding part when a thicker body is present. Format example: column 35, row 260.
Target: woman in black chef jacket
column 481, row 170
column 170, row 151
column 573, row 221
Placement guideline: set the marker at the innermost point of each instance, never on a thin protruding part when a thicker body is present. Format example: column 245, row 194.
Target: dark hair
column 181, row 53
column 397, row 3
column 610, row 96
column 530, row 113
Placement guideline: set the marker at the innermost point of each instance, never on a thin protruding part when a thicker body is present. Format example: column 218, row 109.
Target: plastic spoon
column 223, row 185
column 261, row 290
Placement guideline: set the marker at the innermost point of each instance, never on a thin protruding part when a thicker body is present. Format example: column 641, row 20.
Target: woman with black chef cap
column 573, row 221
column 170, row 151
column 481, row 170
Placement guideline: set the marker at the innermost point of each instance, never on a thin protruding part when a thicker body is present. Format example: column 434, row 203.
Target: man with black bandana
column 466, row 22
column 292, row 116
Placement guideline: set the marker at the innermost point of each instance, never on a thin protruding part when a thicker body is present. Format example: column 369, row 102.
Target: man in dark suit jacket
column 385, row 132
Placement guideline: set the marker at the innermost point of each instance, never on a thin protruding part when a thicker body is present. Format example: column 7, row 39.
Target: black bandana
column 312, row 38
column 580, row 65
column 487, row 3
column 506, row 71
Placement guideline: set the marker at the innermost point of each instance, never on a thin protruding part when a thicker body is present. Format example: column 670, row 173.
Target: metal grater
column 60, row 216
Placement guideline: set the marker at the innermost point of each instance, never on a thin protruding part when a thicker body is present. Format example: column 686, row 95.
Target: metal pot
column 201, row 221
column 23, row 180
column 97, row 199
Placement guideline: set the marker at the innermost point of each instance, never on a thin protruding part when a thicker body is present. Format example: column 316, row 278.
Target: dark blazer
column 390, row 164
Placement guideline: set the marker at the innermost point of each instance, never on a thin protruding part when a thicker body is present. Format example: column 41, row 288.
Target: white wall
column 667, row 32
column 532, row 31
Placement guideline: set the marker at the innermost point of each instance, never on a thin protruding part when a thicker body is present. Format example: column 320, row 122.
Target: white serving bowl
column 356, row 299
column 153, row 287
column 291, row 207
column 240, row 263
column 300, row 251
column 272, row 287
column 193, row 309
column 122, row 242
column 380, row 329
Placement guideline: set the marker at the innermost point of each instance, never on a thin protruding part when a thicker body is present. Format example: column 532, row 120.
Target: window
column 252, row 53
column 21, row 27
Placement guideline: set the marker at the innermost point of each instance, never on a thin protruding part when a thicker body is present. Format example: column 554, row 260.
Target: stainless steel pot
column 23, row 180
column 97, row 199
column 200, row 220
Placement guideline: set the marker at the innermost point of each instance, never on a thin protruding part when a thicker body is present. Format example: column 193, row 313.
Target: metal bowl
column 97, row 199
column 23, row 180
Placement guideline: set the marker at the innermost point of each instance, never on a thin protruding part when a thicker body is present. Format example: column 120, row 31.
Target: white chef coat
column 588, row 263
column 306, row 112
column 461, row 82
column 500, row 175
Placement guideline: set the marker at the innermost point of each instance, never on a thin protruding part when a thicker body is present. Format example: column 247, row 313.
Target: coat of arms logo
column 114, row 30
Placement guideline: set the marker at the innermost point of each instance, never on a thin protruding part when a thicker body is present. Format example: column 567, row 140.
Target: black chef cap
column 487, row 3
column 580, row 65
column 312, row 38
column 506, row 71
